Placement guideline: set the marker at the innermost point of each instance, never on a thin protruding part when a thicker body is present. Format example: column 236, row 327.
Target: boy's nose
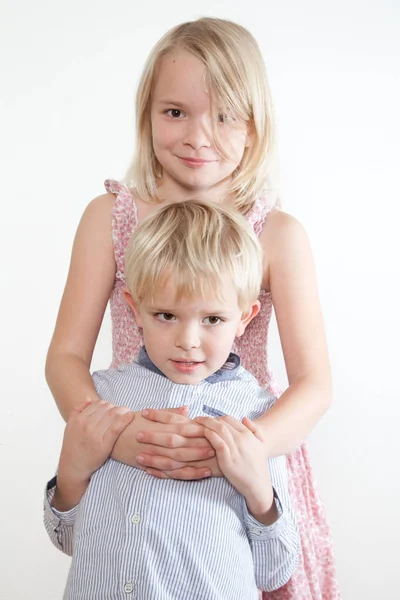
column 187, row 338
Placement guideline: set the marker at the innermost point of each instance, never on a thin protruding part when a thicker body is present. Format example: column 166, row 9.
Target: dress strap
column 124, row 221
column 257, row 215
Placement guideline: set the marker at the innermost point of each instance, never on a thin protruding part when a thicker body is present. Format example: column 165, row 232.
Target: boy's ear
column 247, row 316
column 129, row 300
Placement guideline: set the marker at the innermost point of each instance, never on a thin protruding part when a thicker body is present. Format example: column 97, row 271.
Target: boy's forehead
column 169, row 294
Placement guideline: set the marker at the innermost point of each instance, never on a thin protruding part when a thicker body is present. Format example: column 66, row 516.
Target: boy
column 193, row 272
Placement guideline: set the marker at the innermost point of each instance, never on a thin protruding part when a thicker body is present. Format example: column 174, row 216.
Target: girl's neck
column 170, row 191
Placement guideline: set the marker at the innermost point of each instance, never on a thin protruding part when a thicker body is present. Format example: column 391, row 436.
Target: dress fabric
column 315, row 577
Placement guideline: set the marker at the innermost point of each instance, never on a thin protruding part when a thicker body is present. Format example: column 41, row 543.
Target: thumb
column 253, row 428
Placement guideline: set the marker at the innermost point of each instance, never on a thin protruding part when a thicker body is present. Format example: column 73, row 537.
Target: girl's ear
column 129, row 300
column 247, row 317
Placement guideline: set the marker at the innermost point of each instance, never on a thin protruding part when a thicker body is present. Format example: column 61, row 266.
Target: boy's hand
column 242, row 457
column 89, row 437
column 168, row 445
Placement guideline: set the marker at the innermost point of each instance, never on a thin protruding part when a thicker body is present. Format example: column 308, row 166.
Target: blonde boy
column 193, row 272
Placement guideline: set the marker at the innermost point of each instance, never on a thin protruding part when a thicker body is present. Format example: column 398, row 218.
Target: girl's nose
column 197, row 135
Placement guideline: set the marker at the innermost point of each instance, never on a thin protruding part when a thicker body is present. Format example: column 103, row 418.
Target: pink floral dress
column 315, row 577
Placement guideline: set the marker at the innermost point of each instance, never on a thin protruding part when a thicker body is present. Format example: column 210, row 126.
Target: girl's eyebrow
column 169, row 102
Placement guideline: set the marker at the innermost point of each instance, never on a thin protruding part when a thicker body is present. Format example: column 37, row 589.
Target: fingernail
column 207, row 473
column 140, row 436
column 145, row 413
column 139, row 458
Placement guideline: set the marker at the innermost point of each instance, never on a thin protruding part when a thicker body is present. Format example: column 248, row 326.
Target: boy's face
column 190, row 340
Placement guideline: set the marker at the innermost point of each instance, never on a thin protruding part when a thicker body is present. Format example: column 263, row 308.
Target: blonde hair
column 237, row 83
column 200, row 246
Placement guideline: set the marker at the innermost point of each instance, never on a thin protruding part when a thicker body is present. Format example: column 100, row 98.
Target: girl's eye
column 175, row 113
column 165, row 316
column 226, row 118
column 212, row 320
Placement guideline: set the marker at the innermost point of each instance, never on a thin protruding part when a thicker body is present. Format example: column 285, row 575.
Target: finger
column 220, row 426
column 183, row 455
column 111, row 414
column 80, row 407
column 99, row 419
column 221, row 447
column 157, row 473
column 161, row 463
column 186, row 473
column 182, row 410
column 251, row 426
column 118, row 424
column 174, row 440
column 223, row 429
column 233, row 423
column 165, row 416
column 98, row 408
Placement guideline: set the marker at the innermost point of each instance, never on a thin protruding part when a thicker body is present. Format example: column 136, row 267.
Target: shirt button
column 135, row 519
column 128, row 588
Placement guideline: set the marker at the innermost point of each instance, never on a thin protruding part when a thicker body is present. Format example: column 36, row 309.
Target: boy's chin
column 182, row 379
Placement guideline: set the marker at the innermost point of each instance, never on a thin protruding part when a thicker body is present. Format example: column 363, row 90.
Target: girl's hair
column 200, row 247
column 238, row 86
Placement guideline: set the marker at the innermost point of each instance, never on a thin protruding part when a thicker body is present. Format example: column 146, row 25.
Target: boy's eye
column 212, row 320
column 175, row 113
column 165, row 316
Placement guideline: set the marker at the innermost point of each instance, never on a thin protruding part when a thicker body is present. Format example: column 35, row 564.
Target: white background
column 69, row 72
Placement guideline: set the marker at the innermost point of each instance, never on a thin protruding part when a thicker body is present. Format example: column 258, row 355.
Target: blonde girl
column 205, row 130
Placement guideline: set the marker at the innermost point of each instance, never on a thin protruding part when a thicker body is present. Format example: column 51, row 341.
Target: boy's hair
column 238, row 88
column 200, row 246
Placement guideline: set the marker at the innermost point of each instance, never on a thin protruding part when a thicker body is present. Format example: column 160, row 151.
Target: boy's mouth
column 186, row 366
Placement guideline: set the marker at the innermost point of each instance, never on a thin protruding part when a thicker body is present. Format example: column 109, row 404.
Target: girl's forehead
column 180, row 72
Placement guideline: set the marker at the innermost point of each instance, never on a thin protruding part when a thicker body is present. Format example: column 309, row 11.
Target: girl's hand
column 89, row 438
column 242, row 457
column 168, row 445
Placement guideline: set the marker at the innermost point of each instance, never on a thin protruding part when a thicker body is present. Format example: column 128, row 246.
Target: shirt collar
column 226, row 372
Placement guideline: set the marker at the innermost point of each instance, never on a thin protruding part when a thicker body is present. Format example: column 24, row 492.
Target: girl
column 205, row 130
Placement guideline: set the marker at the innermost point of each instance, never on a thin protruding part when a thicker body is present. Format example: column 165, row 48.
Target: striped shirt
column 134, row 536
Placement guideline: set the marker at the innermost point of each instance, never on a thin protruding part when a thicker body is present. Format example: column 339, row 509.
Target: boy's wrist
column 69, row 492
column 261, row 505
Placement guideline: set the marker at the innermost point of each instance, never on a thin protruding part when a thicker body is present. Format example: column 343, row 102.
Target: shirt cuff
column 259, row 532
column 57, row 517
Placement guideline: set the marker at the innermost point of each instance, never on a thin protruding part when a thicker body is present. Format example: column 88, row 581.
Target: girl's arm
column 89, row 284
column 290, row 276
column 88, row 288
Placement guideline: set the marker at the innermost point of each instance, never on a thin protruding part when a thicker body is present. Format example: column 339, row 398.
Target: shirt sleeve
column 275, row 548
column 59, row 525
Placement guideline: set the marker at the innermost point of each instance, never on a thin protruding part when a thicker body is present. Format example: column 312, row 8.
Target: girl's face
column 182, row 131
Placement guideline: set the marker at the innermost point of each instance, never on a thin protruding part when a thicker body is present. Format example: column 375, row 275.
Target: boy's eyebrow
column 204, row 313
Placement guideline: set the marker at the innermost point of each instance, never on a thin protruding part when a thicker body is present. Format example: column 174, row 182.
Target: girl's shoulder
column 281, row 229
column 284, row 241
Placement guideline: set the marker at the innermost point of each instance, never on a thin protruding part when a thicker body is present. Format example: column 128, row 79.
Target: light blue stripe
column 193, row 539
